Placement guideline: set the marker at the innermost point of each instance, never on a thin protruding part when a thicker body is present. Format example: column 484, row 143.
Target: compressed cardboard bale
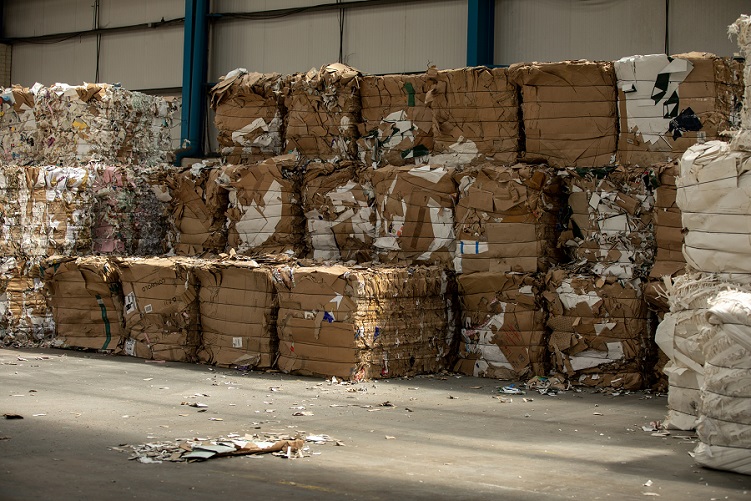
column 714, row 195
column 128, row 209
column 610, row 228
column 359, row 323
column 323, row 112
column 569, row 112
column 86, row 298
column 475, row 116
column 397, row 121
column 507, row 218
column 23, row 305
column 414, row 214
column 600, row 329
column 340, row 213
column 724, row 425
column 667, row 104
column 265, row 213
column 503, row 326
column 249, row 112
column 161, row 309
column 198, row 205
column 19, row 134
column 238, row 307
column 78, row 123
column 741, row 28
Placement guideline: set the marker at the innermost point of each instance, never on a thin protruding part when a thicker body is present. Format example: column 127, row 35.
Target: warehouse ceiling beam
column 195, row 69
column 480, row 32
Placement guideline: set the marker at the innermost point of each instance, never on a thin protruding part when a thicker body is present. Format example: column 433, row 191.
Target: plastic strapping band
column 106, row 321
column 410, row 93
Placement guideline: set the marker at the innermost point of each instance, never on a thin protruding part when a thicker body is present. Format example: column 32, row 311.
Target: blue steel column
column 195, row 67
column 480, row 32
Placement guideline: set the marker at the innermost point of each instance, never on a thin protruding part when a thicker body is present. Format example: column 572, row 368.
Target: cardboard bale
column 265, row 213
column 414, row 214
column 359, row 323
column 741, row 28
column 19, row 135
column 713, row 195
column 610, row 227
column 238, row 307
column 323, row 112
column 198, row 204
column 475, row 116
column 78, row 123
column 569, row 112
column 503, row 326
column 507, row 219
column 161, row 309
column 248, row 115
column 340, row 213
column 129, row 212
column 397, row 121
column 86, row 298
column 667, row 104
column 26, row 318
column 600, row 329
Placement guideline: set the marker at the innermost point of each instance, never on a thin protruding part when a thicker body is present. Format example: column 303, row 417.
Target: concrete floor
column 458, row 442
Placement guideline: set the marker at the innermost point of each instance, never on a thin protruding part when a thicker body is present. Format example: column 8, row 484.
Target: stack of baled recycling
column 264, row 214
column 249, row 115
column 506, row 218
column 339, row 209
column 475, row 116
column 397, row 122
column 358, row 323
column 323, row 112
column 568, row 111
column 502, row 326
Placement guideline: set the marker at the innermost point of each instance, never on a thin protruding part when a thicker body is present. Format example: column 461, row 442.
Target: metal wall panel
column 556, row 30
column 699, row 25
column 73, row 62
column 40, row 17
column 119, row 13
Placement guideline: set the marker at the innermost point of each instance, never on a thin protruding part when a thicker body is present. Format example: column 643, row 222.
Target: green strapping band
column 410, row 94
column 106, row 321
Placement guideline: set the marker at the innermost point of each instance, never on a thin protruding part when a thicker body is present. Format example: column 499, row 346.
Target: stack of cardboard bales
column 339, row 209
column 414, row 214
column 161, row 309
column 19, row 135
column 87, row 302
column 666, row 104
column 323, row 113
column 264, row 214
column 506, row 218
column 198, row 206
column 359, row 323
column 502, row 326
column 569, row 112
column 475, row 116
column 397, row 121
column 238, row 309
column 249, row 115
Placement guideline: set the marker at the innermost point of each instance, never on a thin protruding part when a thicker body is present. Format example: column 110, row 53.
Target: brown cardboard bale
column 600, row 329
column 359, row 323
column 503, row 326
column 198, row 206
column 569, row 114
column 87, row 303
column 27, row 319
column 238, row 309
column 667, row 104
column 506, row 218
column 19, row 134
column 475, row 116
column 161, row 309
column 415, row 214
column 340, row 213
column 397, row 121
column 610, row 227
column 248, row 115
column 264, row 214
column 323, row 112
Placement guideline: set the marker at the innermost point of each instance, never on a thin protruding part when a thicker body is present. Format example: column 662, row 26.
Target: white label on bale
column 237, row 342
column 148, row 308
column 130, row 347
column 130, row 303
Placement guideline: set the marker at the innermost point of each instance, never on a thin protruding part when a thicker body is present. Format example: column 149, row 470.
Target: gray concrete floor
column 458, row 442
